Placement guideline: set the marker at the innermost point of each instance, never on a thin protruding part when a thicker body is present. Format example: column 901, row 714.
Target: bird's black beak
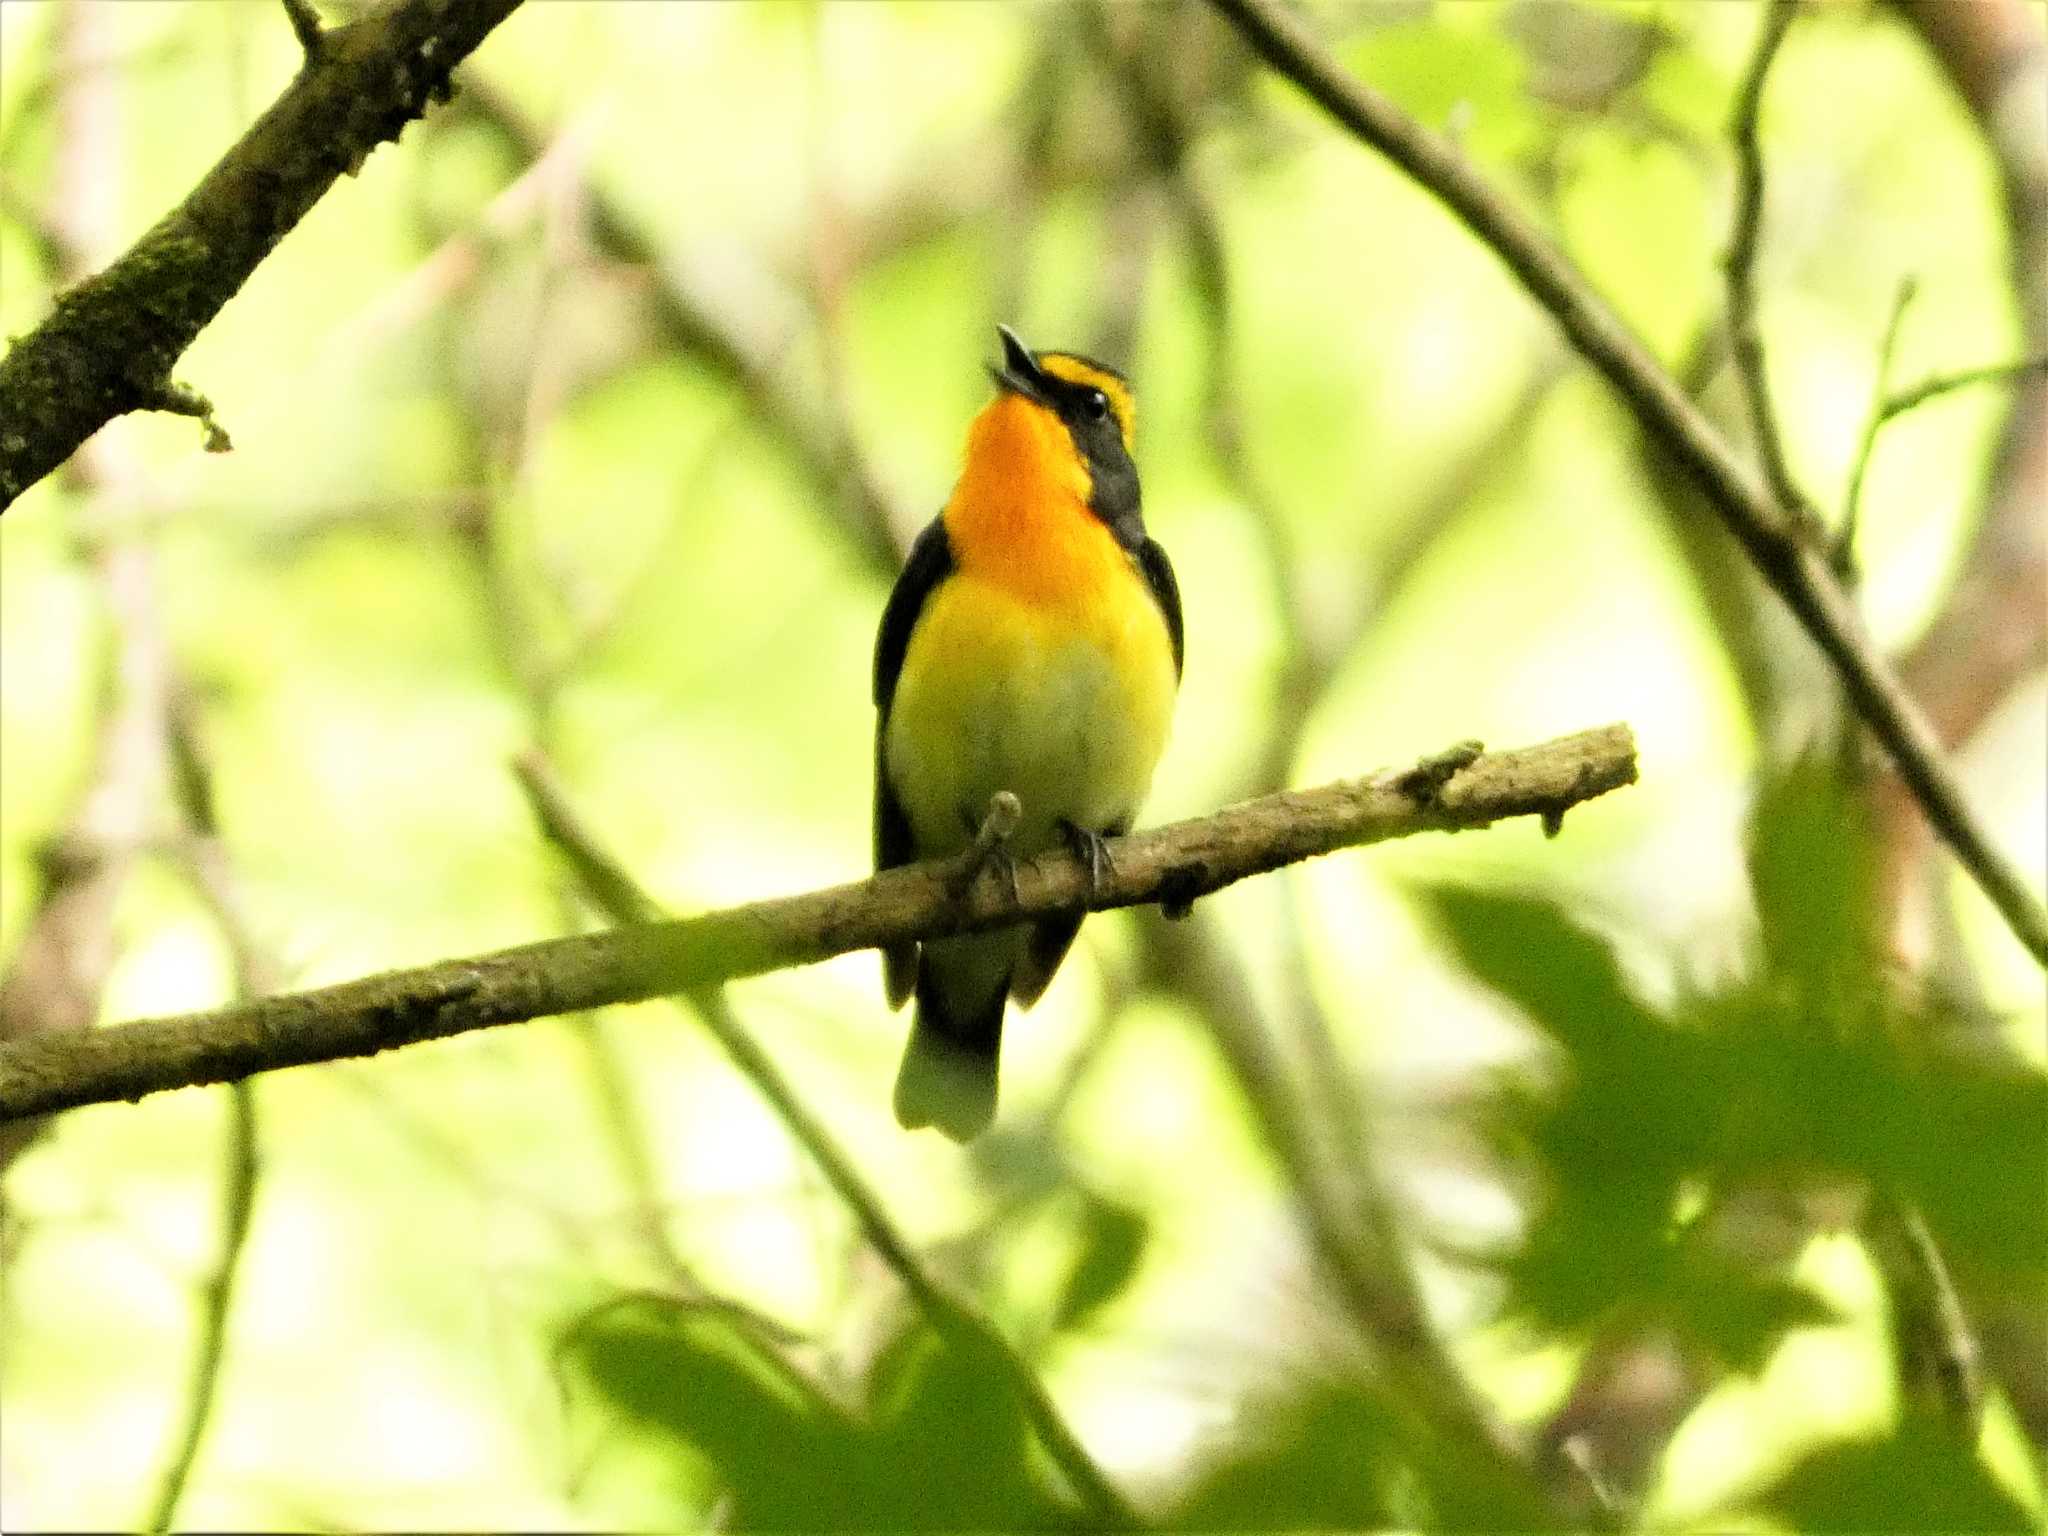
column 1019, row 373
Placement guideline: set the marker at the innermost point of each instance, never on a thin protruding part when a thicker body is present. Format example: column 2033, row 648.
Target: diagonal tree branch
column 1172, row 865
column 1789, row 562
column 109, row 345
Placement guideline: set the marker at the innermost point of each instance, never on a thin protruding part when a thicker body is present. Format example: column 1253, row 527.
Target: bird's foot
column 1092, row 849
column 991, row 847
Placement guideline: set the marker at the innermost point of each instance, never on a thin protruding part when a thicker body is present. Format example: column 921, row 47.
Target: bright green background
column 856, row 190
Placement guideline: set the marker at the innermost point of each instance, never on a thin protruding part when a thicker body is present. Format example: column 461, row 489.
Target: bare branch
column 1795, row 570
column 1180, row 862
column 1852, row 507
column 1747, row 335
column 207, row 867
column 614, row 891
column 1944, row 383
column 306, row 28
column 175, row 399
column 1940, row 1364
column 109, row 345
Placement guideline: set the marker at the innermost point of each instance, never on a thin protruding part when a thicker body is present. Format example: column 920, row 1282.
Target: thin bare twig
column 1989, row 636
column 620, row 897
column 1798, row 572
column 1852, row 507
column 1886, row 408
column 1746, row 334
column 216, row 1302
column 1942, row 384
column 555, row 180
column 206, row 866
column 1315, row 1126
column 1174, row 864
column 58, row 971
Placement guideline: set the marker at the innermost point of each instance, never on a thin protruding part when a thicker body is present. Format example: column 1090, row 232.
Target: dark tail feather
column 1050, row 940
column 948, row 1077
column 899, row 973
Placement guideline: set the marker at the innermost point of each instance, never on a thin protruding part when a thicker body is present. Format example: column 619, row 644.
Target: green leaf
column 1113, row 1238
column 1333, row 1454
column 1813, row 876
column 1324, row 1458
column 1735, row 1313
column 1964, row 1138
column 1562, row 975
column 1920, row 1477
column 952, row 1446
column 701, row 1378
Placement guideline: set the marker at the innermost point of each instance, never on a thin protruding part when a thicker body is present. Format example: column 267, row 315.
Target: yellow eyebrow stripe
column 1063, row 366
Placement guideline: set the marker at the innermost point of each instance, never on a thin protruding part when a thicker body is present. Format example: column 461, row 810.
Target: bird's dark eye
column 1095, row 405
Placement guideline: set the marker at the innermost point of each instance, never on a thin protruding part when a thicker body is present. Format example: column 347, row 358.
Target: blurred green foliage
column 1812, row 1070
column 558, row 426
column 938, row 1443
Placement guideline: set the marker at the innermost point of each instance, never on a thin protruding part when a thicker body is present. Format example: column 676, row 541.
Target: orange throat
column 1019, row 516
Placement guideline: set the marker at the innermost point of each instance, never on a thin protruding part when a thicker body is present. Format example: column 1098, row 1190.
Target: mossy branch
column 1172, row 865
column 109, row 345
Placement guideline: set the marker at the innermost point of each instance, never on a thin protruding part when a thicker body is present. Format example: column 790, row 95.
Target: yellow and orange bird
column 1032, row 644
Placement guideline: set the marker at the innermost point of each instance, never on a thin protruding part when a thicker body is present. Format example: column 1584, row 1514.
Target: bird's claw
column 991, row 847
column 1092, row 849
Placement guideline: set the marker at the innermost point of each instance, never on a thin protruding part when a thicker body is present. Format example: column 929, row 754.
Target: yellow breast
column 1066, row 707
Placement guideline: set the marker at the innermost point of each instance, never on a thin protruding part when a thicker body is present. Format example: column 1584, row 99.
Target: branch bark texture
column 1777, row 543
column 109, row 345
column 1171, row 865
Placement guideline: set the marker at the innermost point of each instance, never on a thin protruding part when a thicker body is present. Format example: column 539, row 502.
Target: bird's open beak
column 1019, row 372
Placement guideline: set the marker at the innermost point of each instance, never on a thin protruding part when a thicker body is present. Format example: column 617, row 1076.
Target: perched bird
column 1032, row 644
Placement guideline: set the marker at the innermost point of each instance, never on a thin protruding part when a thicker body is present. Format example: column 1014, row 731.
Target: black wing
column 930, row 562
column 1158, row 573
